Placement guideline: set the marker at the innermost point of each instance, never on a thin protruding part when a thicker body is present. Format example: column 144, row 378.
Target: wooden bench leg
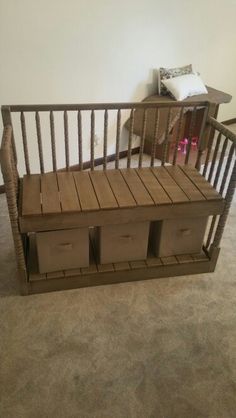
column 23, row 282
column 214, row 254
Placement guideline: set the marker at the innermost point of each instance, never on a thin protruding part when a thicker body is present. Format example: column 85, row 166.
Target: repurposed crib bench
column 87, row 226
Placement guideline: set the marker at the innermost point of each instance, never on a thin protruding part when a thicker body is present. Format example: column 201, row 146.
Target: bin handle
column 185, row 232
column 65, row 246
column 126, row 237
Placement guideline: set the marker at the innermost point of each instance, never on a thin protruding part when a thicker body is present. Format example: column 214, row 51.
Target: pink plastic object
column 184, row 143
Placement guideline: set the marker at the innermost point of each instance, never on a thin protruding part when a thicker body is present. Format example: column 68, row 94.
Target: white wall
column 55, row 51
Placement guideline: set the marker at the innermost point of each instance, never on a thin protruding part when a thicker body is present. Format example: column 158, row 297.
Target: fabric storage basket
column 123, row 242
column 63, row 249
column 175, row 237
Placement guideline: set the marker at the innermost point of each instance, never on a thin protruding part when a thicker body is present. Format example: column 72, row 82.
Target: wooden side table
column 215, row 97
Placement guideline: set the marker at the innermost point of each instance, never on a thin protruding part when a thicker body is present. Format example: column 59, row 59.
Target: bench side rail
column 219, row 168
column 11, row 181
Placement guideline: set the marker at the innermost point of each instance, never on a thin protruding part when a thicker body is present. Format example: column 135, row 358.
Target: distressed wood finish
column 105, row 139
column 178, row 135
column 190, row 136
column 113, row 196
column 142, row 138
column 66, row 134
column 154, row 144
column 103, row 190
column 49, row 194
column 39, row 138
column 168, row 183
column 7, row 121
column 220, row 163
column 118, row 215
column 12, row 192
column 154, row 188
column 207, row 159
column 114, row 188
column 227, row 168
column 92, row 138
column 25, row 143
column 204, row 186
column 65, row 200
column 146, row 109
column 137, row 188
column 53, row 144
column 80, row 147
column 213, row 163
column 32, row 261
column 85, row 190
column 211, row 231
column 130, row 138
column 229, row 176
column 138, row 271
column 68, row 194
column 223, row 217
column 118, row 138
column 31, row 195
column 166, row 142
column 109, row 106
column 201, row 144
column 188, row 187
column 120, row 189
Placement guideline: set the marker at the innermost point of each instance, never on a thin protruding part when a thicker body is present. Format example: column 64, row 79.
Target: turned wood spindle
column 118, row 138
column 142, row 142
column 105, row 139
column 131, row 130
column 66, row 135
column 53, row 144
column 39, row 138
column 80, row 147
column 25, row 143
column 155, row 139
column 191, row 133
column 92, row 139
column 166, row 140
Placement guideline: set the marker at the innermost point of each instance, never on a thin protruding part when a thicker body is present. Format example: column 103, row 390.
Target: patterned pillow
column 166, row 73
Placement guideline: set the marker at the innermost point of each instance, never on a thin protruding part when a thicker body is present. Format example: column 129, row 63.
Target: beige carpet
column 158, row 349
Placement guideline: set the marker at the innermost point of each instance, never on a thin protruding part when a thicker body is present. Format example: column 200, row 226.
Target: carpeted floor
column 158, row 349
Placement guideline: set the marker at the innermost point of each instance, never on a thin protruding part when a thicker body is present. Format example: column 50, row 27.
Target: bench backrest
column 88, row 134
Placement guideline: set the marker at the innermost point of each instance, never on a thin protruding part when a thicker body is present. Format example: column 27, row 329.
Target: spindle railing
column 220, row 171
column 175, row 115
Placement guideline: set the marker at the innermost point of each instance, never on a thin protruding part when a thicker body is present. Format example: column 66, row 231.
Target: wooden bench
column 85, row 209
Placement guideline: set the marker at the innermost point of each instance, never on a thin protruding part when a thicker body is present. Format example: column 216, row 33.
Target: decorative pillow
column 166, row 73
column 185, row 86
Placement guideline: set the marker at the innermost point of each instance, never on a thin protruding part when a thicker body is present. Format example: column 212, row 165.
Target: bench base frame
column 198, row 264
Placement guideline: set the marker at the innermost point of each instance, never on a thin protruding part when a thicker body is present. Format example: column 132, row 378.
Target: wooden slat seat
column 72, row 199
column 49, row 194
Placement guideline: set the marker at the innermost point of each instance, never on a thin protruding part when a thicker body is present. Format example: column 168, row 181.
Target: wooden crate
column 63, row 249
column 182, row 236
column 124, row 242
